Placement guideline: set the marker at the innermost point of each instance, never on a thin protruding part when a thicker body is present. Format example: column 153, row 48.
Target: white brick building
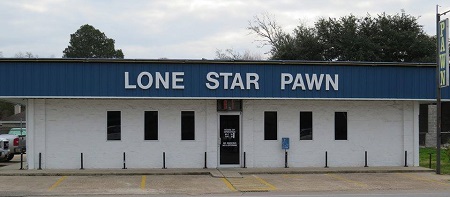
column 235, row 112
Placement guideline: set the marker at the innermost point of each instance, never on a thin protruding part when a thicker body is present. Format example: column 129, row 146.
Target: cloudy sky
column 176, row 29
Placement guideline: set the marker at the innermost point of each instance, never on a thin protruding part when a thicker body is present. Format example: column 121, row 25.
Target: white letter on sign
column 212, row 80
column 176, row 79
column 150, row 80
column 286, row 78
column 163, row 80
column 334, row 83
column 312, row 81
column 252, row 78
column 225, row 79
column 237, row 81
column 298, row 82
column 127, row 82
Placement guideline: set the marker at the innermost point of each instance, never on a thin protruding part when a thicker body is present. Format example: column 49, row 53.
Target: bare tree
column 230, row 54
column 266, row 27
column 25, row 55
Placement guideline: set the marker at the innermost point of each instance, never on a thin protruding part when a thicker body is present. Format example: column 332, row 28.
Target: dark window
column 270, row 125
column 340, row 125
column 306, row 129
column 151, row 125
column 113, row 125
column 423, row 118
column 187, row 125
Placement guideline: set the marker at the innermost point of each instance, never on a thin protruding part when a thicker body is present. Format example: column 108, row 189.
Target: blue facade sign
column 212, row 79
column 285, row 143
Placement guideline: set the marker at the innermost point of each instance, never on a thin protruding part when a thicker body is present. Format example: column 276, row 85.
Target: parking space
column 358, row 181
column 26, row 185
column 249, row 183
column 98, row 184
column 205, row 184
column 186, row 184
column 310, row 182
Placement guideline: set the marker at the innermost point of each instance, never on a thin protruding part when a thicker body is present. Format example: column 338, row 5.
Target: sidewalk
column 13, row 170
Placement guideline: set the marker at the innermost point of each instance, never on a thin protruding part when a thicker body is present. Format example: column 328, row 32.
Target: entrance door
column 229, row 139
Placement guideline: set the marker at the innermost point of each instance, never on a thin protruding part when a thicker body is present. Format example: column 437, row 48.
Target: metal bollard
column 40, row 156
column 326, row 159
column 429, row 164
column 205, row 162
column 365, row 156
column 124, row 161
column 21, row 160
column 81, row 162
column 164, row 160
column 406, row 158
column 285, row 159
column 244, row 161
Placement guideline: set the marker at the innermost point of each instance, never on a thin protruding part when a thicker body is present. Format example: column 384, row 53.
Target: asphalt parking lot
column 206, row 184
column 210, row 185
column 15, row 161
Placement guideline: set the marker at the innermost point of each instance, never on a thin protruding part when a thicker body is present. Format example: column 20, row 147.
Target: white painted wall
column 385, row 129
column 70, row 127
column 63, row 128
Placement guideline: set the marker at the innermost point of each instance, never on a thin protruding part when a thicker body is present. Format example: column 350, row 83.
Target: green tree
column 88, row 42
column 6, row 109
column 385, row 38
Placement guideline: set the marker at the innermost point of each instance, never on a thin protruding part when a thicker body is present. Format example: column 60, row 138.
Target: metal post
column 124, row 164
column 438, row 97
column 326, row 159
column 365, row 157
column 285, row 159
column 406, row 158
column 40, row 156
column 245, row 166
column 21, row 160
column 205, row 161
column 82, row 168
column 429, row 163
column 21, row 130
column 164, row 160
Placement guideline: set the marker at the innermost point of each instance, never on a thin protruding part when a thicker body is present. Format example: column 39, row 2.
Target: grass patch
column 425, row 157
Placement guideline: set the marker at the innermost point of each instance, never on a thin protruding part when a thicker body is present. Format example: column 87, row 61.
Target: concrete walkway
column 13, row 170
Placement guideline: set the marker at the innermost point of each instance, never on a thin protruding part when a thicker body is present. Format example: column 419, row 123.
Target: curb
column 100, row 173
column 212, row 172
column 342, row 172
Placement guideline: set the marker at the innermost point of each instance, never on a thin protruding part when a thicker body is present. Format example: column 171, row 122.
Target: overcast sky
column 176, row 29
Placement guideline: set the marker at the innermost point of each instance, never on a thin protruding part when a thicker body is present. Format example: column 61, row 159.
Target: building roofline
column 204, row 61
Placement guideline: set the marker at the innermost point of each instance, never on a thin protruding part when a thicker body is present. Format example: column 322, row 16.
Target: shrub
column 447, row 151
